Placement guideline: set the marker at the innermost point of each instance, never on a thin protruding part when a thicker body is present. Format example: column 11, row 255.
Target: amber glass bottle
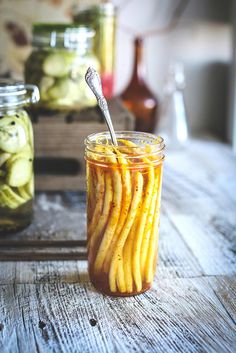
column 137, row 97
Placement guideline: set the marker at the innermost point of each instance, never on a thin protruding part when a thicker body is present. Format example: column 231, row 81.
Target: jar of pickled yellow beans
column 16, row 155
column 57, row 65
column 123, row 210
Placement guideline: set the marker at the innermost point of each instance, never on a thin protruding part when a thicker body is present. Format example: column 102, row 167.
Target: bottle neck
column 139, row 67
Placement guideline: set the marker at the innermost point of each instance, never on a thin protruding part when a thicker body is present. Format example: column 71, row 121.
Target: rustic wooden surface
column 50, row 306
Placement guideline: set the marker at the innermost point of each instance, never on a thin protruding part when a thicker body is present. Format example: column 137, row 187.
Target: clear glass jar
column 57, row 65
column 102, row 18
column 16, row 155
column 123, row 209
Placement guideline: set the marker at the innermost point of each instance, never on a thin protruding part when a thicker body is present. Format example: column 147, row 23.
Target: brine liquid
column 13, row 220
column 122, row 234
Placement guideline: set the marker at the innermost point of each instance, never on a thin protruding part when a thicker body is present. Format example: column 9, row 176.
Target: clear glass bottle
column 123, row 210
column 174, row 123
column 57, row 65
column 16, row 155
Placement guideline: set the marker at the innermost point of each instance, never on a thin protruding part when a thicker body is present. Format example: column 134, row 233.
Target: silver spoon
column 94, row 82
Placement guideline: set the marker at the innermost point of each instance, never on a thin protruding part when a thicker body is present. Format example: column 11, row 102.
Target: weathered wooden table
column 50, row 306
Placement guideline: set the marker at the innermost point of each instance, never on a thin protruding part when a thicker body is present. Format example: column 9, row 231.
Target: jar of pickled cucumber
column 16, row 155
column 60, row 58
column 123, row 210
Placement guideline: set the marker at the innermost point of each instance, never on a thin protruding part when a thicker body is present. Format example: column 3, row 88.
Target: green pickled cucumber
column 4, row 157
column 29, row 187
column 24, row 117
column 23, row 193
column 25, row 153
column 59, row 89
column 19, row 172
column 8, row 198
column 57, row 64
column 13, row 136
column 59, row 74
column 45, row 83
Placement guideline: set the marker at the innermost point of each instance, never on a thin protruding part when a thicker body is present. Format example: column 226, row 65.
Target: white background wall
column 202, row 40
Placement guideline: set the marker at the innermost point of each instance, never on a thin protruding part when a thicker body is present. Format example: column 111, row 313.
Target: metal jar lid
column 14, row 93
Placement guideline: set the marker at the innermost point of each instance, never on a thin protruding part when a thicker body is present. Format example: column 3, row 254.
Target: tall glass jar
column 102, row 18
column 60, row 58
column 16, row 155
column 123, row 210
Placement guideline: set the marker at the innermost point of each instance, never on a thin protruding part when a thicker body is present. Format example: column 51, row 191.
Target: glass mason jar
column 57, row 65
column 16, row 155
column 123, row 209
column 102, row 18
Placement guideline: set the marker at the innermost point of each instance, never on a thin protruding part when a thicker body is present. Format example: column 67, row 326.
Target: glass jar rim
column 15, row 93
column 139, row 150
column 105, row 8
column 144, row 138
column 62, row 35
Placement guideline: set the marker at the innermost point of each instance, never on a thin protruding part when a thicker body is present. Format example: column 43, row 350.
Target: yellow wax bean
column 154, row 235
column 102, row 221
column 112, row 222
column 99, row 201
column 138, row 188
column 148, row 226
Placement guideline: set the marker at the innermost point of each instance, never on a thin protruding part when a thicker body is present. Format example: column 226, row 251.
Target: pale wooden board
column 177, row 261
column 225, row 289
column 214, row 252
column 181, row 315
column 199, row 207
column 57, row 216
column 186, row 311
column 175, row 258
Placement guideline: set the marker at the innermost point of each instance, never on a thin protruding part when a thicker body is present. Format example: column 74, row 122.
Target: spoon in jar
column 94, row 82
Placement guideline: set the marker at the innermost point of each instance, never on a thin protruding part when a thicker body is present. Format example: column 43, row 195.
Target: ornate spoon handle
column 94, row 82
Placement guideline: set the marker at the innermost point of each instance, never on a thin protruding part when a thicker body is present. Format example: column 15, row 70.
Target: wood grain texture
column 62, row 136
column 224, row 288
column 52, row 307
column 182, row 315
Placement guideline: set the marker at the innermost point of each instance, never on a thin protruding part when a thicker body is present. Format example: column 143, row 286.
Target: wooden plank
column 175, row 258
column 42, row 271
column 65, row 140
column 62, row 135
column 42, row 256
column 181, row 315
column 60, row 182
column 174, row 261
column 210, row 165
column 225, row 289
column 214, row 252
column 57, row 217
column 41, row 243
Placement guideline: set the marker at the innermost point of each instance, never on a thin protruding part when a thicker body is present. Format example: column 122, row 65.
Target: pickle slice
column 26, row 153
column 29, row 187
column 57, row 65
column 45, row 83
column 4, row 157
column 28, row 126
column 13, row 136
column 59, row 89
column 23, row 193
column 19, row 172
column 8, row 198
